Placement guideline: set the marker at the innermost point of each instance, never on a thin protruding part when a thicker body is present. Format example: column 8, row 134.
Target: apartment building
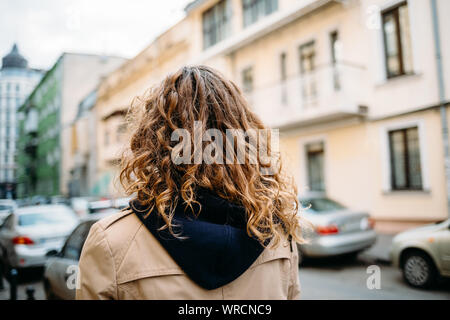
column 49, row 111
column 126, row 87
column 17, row 80
column 83, row 148
column 357, row 88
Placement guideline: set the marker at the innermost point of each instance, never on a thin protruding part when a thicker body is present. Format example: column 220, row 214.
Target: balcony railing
column 324, row 94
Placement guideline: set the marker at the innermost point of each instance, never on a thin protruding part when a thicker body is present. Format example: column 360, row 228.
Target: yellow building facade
column 353, row 87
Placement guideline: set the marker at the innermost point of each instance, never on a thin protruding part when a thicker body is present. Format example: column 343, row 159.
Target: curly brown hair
column 199, row 93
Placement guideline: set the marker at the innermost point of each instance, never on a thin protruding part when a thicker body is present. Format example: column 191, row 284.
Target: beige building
column 354, row 87
column 121, row 89
column 82, row 73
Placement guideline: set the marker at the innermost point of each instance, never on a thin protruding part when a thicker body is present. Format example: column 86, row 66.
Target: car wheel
column 419, row 270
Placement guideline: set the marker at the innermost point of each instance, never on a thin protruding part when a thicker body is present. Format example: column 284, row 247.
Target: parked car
column 59, row 200
column 6, row 207
column 101, row 206
column 122, row 203
column 63, row 265
column 30, row 234
column 423, row 254
column 37, row 200
column 81, row 205
column 336, row 230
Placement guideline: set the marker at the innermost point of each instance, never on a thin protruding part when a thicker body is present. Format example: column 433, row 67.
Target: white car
column 30, row 235
column 6, row 207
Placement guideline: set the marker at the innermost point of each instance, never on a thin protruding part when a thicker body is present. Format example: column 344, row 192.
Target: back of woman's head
column 195, row 130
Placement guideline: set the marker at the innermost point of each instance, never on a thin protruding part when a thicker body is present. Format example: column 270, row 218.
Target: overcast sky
column 44, row 29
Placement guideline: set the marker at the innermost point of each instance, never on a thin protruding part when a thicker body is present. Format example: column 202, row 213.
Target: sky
column 44, row 29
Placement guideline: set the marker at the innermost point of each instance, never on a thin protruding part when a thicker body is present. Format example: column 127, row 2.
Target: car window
column 75, row 242
column 49, row 217
column 5, row 207
column 319, row 205
column 9, row 222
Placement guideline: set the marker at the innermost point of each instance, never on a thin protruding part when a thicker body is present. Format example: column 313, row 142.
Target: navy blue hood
column 215, row 248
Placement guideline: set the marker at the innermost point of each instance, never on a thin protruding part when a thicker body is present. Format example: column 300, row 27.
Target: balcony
column 328, row 93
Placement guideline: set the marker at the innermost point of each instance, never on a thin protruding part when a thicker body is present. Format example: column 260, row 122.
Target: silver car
column 30, row 234
column 61, row 269
column 6, row 207
column 423, row 254
column 335, row 230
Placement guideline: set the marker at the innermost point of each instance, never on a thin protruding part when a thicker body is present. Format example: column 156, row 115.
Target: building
column 83, row 149
column 358, row 89
column 54, row 103
column 16, row 82
column 121, row 89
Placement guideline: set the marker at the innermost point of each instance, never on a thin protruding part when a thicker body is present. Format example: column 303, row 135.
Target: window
column 322, row 205
column 397, row 41
column 9, row 222
column 335, row 47
column 74, row 244
column 106, row 138
column 253, row 10
column 50, row 217
column 404, row 148
column 120, row 131
column 283, row 76
column 247, row 80
column 216, row 23
column 315, row 165
column 307, row 53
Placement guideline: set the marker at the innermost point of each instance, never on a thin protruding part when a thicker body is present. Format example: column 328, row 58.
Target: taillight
column 371, row 223
column 22, row 240
column 325, row 230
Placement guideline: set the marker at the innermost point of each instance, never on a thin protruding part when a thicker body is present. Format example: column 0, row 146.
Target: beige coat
column 121, row 259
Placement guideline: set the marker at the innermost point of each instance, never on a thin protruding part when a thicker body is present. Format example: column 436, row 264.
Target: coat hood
column 214, row 248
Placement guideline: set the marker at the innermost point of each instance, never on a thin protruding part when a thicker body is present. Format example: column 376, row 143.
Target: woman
column 199, row 227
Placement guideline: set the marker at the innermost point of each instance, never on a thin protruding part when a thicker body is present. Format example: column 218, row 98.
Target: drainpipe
column 443, row 109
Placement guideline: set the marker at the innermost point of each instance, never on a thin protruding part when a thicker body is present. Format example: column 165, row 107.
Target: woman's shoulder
column 119, row 230
column 122, row 217
column 135, row 251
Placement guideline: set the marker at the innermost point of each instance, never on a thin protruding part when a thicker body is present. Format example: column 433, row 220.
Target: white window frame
column 386, row 155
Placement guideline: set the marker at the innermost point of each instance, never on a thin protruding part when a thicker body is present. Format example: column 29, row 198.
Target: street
column 344, row 278
column 336, row 278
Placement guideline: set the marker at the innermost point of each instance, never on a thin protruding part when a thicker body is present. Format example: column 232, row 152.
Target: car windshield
column 50, row 217
column 5, row 207
column 319, row 205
